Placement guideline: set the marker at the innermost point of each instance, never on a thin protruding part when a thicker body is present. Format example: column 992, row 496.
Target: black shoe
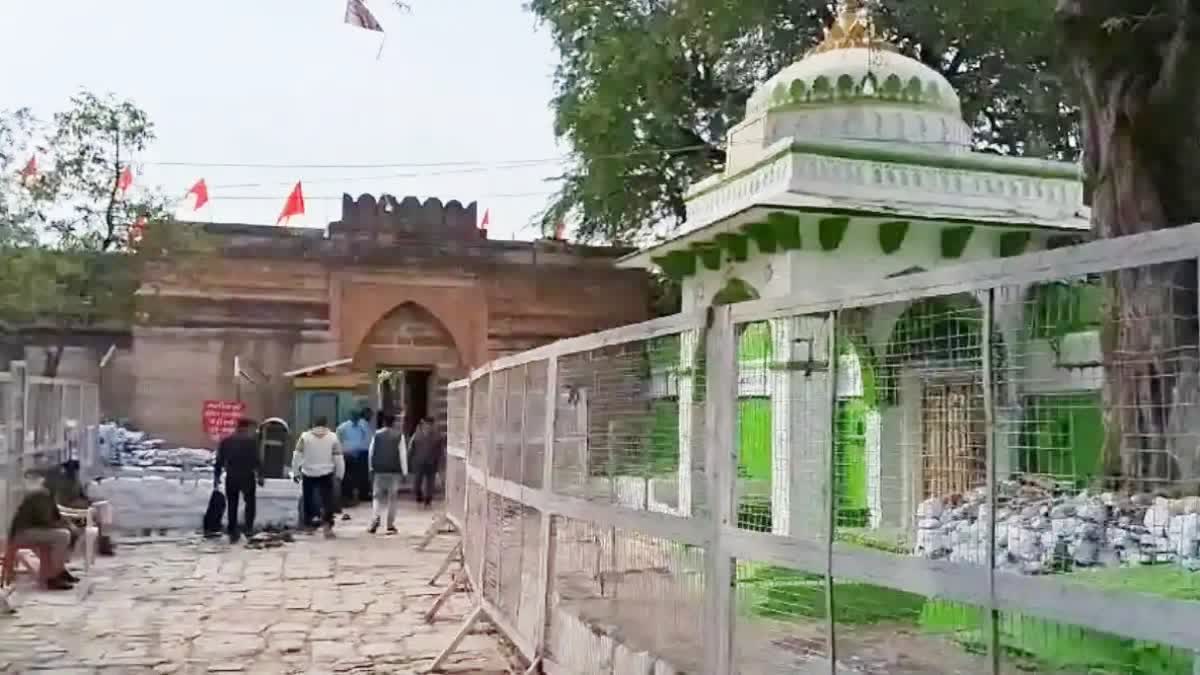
column 59, row 584
column 233, row 537
column 392, row 529
column 345, row 516
column 374, row 527
column 68, row 577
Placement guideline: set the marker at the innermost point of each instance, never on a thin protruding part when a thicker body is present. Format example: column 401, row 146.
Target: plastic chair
column 87, row 545
column 14, row 557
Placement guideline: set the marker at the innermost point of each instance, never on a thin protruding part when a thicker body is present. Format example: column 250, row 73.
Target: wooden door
column 954, row 459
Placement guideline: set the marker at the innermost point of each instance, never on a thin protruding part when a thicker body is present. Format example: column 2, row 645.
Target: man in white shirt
column 318, row 462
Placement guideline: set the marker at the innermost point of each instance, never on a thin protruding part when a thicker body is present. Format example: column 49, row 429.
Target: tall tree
column 79, row 233
column 1136, row 62
column 646, row 89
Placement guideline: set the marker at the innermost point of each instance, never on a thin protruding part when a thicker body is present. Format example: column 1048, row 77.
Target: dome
column 856, row 74
column 853, row 72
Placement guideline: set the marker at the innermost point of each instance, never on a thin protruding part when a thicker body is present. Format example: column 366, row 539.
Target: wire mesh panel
column 457, row 429
column 783, row 420
column 44, row 417
column 1098, row 470
column 456, row 487
column 10, row 472
column 89, row 445
column 909, row 477
column 475, row 531
column 626, row 600
column 481, row 420
column 629, row 424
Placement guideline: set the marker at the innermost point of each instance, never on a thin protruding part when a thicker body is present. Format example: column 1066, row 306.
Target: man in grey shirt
column 388, row 459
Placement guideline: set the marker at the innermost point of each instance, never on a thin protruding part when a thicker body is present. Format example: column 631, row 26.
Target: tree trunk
column 1141, row 156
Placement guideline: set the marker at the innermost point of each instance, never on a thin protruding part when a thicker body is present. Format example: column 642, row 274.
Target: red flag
column 200, row 189
column 125, row 179
column 31, row 169
column 487, row 218
column 294, row 205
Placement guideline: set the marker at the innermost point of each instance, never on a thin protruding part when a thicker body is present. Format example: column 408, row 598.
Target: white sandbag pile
column 153, row 502
column 128, row 448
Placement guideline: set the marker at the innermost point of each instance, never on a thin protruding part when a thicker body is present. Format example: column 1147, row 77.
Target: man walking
column 354, row 435
column 388, row 458
column 238, row 457
column 318, row 461
column 425, row 447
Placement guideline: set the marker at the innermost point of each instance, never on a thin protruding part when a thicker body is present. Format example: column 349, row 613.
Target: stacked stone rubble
column 1042, row 527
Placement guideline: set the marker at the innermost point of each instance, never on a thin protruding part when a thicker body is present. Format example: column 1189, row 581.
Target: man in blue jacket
column 354, row 435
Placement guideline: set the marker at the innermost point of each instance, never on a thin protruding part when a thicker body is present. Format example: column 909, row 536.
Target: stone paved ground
column 351, row 605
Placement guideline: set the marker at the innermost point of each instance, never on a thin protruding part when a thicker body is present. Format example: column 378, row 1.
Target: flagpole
column 381, row 44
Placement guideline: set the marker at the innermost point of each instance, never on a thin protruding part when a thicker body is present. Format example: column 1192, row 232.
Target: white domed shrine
column 854, row 165
column 858, row 153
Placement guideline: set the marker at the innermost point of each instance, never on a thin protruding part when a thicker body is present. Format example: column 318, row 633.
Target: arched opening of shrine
column 411, row 356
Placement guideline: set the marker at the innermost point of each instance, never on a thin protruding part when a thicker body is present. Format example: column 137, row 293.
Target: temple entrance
column 411, row 358
column 406, row 389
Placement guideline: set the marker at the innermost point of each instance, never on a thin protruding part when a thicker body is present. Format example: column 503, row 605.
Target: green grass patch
column 785, row 594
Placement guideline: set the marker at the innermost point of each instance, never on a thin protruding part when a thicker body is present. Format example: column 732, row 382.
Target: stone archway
column 932, row 373
column 420, row 352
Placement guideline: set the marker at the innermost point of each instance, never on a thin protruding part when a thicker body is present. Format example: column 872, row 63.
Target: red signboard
column 220, row 418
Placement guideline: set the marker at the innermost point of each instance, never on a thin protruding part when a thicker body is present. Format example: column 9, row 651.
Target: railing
column 43, row 422
column 987, row 468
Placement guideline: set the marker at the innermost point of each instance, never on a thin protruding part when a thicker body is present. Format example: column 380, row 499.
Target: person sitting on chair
column 68, row 493
column 38, row 524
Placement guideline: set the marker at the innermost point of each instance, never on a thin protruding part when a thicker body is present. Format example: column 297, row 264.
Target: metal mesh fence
column 622, row 596
column 10, row 471
column 629, row 424
column 456, row 488
column 43, row 423
column 983, row 470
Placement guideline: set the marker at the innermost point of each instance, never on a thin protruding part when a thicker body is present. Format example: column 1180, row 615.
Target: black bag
column 215, row 513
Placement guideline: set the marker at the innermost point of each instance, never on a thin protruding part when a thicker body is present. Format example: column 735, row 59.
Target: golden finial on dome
column 852, row 27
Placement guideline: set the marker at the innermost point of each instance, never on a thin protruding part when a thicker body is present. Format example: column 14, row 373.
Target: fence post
column 545, row 577
column 989, row 423
column 720, row 444
column 20, row 417
column 830, row 492
column 485, row 465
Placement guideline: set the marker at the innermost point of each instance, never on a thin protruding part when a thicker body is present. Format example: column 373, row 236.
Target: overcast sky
column 464, row 84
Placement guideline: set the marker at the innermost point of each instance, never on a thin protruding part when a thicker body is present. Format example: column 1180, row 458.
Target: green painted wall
column 308, row 403
column 1063, row 436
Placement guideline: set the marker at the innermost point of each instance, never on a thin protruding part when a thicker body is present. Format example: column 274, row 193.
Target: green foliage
column 68, row 257
column 646, row 90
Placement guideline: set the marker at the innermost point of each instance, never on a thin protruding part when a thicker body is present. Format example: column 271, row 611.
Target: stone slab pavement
column 349, row 605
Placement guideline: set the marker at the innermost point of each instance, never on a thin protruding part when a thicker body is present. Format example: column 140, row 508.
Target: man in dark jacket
column 237, row 455
column 38, row 523
column 424, row 457
column 388, row 457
